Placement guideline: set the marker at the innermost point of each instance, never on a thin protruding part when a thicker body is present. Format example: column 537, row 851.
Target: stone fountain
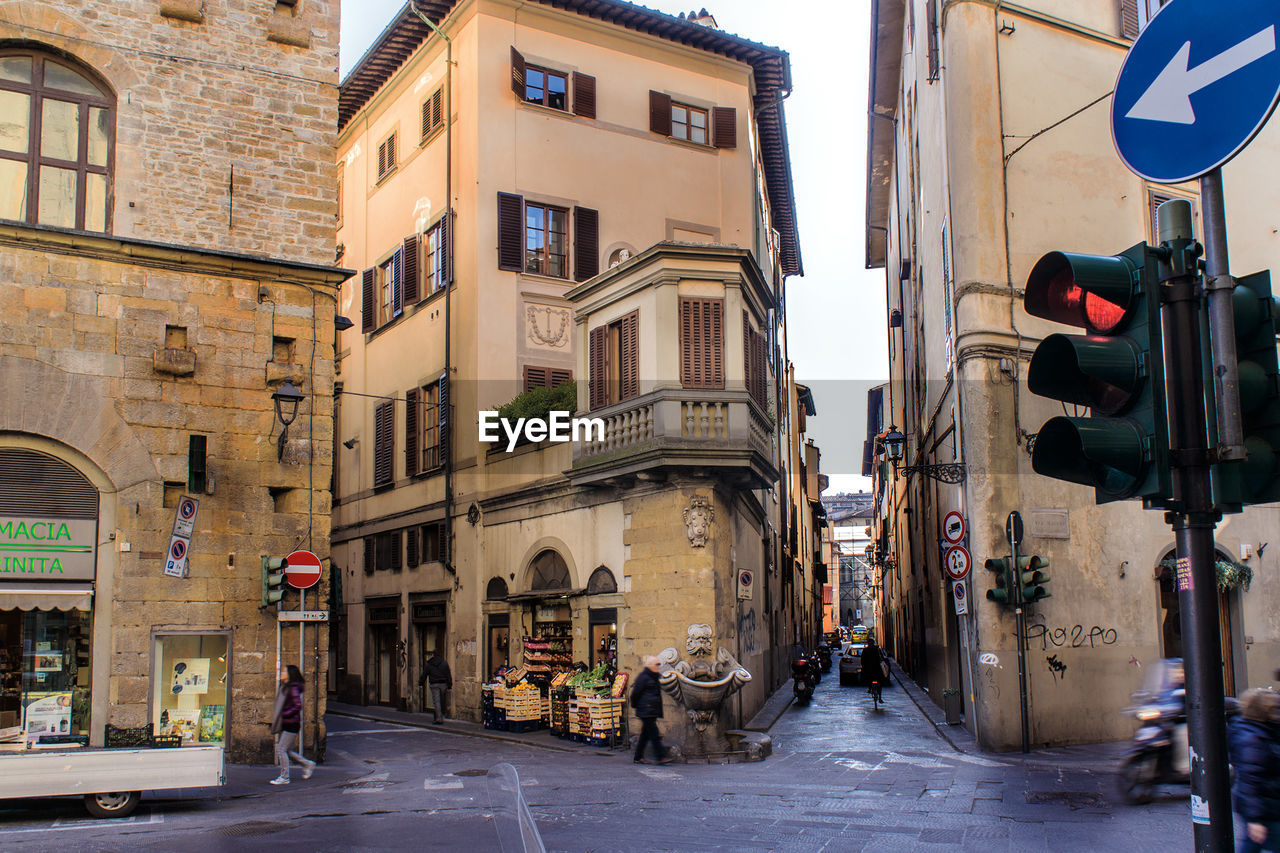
column 701, row 685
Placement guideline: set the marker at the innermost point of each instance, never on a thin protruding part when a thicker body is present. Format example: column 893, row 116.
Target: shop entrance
column 384, row 656
column 499, row 642
column 429, row 638
column 604, row 636
column 1171, row 619
column 44, row 674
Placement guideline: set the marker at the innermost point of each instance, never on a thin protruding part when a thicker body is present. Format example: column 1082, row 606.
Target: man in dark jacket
column 646, row 699
column 1254, row 741
column 437, row 677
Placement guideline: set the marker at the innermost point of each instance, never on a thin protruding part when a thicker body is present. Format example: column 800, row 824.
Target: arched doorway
column 1171, row 611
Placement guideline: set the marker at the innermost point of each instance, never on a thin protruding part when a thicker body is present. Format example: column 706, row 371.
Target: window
column 432, row 114
column 546, row 87
column 384, row 286
column 431, row 424
column 948, row 296
column 715, row 126
column 57, row 128
column 546, row 236
column 386, row 156
column 755, row 357
column 190, row 689
column 534, row 238
column 435, row 542
column 545, row 377
column 384, row 442
column 44, row 673
column 702, row 343
column 436, row 257
column 382, row 552
column 614, row 361
column 1136, row 14
column 426, row 427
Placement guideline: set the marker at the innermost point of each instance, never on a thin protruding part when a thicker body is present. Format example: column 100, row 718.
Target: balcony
column 725, row 434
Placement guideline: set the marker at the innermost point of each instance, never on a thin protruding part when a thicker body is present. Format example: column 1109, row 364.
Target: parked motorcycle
column 803, row 681
column 824, row 657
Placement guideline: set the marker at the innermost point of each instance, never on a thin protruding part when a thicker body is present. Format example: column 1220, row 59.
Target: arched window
column 548, row 571
column 601, row 580
column 496, row 590
column 57, row 132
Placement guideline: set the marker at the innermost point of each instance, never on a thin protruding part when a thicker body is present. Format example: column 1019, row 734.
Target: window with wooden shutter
column 748, row 363
column 435, row 542
column 628, row 360
column 384, row 444
column 431, row 458
column 546, row 240
column 545, row 377
column 393, row 547
column 370, row 555
column 659, row 113
column 411, row 557
column 725, row 122
column 701, row 343
column 598, row 367
column 517, row 73
column 931, row 31
column 432, row 118
column 1129, row 25
column 397, row 283
column 510, row 232
column 755, row 360
column 412, row 415
column 446, row 253
column 689, row 123
column 586, row 243
column 442, row 417
column 584, row 95
column 412, row 285
column 386, row 156
column 368, row 305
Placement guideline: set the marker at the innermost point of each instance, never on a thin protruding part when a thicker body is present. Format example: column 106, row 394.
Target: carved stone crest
column 548, row 326
column 698, row 516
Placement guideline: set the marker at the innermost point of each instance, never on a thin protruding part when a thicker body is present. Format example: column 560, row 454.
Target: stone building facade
column 989, row 146
column 167, row 216
column 544, row 216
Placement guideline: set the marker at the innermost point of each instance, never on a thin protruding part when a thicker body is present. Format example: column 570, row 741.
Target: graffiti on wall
column 1056, row 667
column 747, row 633
column 1073, row 637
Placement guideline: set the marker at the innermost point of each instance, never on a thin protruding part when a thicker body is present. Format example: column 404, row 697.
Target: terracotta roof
column 771, row 67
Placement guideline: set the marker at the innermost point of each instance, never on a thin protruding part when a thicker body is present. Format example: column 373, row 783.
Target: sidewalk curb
column 487, row 735
column 766, row 718
column 940, row 728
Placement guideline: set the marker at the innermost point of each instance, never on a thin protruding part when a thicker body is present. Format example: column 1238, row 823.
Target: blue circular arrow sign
column 1197, row 85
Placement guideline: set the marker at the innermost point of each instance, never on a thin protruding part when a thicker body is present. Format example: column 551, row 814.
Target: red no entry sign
column 302, row 569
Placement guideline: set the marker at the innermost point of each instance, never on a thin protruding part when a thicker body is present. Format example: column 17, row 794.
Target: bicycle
column 875, row 694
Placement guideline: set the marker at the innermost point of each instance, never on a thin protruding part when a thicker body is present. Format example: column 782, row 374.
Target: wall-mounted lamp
column 350, row 443
column 895, row 446
column 287, row 398
column 342, row 323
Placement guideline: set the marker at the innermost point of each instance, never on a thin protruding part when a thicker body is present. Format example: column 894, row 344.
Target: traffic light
column 273, row 580
column 1116, row 370
column 1033, row 575
column 1002, row 592
column 1254, row 480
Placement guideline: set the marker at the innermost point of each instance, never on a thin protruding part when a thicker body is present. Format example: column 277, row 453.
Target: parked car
column 850, row 667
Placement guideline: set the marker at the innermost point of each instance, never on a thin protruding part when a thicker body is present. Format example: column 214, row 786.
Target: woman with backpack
column 286, row 722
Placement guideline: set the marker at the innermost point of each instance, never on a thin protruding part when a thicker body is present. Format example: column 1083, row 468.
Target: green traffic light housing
column 1002, row 592
column 273, row 579
column 1032, row 576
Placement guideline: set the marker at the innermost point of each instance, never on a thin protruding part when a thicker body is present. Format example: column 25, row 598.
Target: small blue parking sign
column 1197, row 85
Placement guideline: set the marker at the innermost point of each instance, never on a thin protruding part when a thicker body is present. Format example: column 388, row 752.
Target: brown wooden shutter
column 368, row 317
column 598, row 367
column 1129, row 19
column 412, row 270
column 370, row 555
column 725, row 122
column 412, row 407
column 443, row 527
column 517, row 73
column 931, row 25
column 630, row 356
column 383, row 444
column 584, row 95
column 586, row 243
column 395, row 551
column 702, row 343
column 535, row 377
column 437, row 109
column 412, row 556
column 442, row 420
column 559, row 377
column 760, row 371
column 510, row 232
column 659, row 113
column 748, row 363
column 446, row 252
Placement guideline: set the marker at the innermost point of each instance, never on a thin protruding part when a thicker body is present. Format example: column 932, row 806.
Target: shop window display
column 44, row 676
column 190, row 687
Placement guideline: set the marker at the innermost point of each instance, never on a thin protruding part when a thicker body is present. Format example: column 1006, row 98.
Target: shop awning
column 545, row 594
column 46, row 596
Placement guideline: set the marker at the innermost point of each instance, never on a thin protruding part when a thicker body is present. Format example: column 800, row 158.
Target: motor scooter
column 803, row 681
column 1151, row 760
column 824, row 657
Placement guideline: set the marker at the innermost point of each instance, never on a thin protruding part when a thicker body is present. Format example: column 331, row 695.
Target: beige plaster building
column 565, row 209
column 166, row 213
column 989, row 145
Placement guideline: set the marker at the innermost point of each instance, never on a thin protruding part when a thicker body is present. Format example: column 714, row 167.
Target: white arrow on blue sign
column 1198, row 84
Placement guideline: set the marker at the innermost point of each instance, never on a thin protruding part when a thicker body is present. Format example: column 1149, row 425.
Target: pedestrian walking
column 1254, row 745
column 286, row 722
column 646, row 699
column 438, row 678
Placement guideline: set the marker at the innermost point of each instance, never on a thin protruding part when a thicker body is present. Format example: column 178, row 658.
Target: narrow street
column 842, row 777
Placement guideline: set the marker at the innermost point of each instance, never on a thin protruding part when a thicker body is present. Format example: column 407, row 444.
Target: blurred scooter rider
column 1174, row 695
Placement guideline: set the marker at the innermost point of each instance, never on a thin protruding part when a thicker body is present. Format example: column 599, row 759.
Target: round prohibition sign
column 178, row 550
column 187, row 509
column 953, row 528
column 302, row 569
column 956, row 562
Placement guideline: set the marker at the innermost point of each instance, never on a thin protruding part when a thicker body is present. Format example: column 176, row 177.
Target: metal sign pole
column 302, row 662
column 1020, row 629
column 1222, row 329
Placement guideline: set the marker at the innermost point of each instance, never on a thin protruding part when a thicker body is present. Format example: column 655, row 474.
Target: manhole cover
column 470, row 772
column 254, row 827
column 1071, row 799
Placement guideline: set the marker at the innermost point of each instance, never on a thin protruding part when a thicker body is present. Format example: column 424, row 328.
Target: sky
column 836, row 311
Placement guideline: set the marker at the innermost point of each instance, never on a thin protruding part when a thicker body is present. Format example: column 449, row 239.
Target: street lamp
column 895, row 446
column 287, row 398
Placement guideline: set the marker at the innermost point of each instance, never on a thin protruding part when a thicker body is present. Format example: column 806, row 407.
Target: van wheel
column 114, row 804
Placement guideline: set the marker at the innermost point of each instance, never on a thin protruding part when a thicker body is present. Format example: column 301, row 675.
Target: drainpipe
column 448, row 285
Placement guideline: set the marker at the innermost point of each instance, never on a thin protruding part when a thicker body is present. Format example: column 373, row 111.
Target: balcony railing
column 725, row 431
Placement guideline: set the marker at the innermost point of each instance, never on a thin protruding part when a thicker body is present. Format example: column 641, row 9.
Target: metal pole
column 1222, row 330
column 1193, row 521
column 302, row 662
column 1020, row 629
